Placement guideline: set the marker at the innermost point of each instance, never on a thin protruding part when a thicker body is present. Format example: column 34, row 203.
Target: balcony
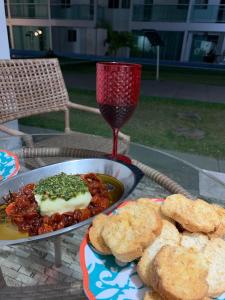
column 199, row 13
column 160, row 13
column 58, row 11
column 207, row 14
column 73, row 12
column 29, row 11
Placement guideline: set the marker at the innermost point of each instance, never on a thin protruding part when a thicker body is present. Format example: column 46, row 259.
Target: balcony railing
column 207, row 14
column 199, row 13
column 74, row 12
column 58, row 11
column 160, row 13
column 29, row 11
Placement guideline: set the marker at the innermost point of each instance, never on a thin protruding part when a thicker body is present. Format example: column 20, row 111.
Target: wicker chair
column 34, row 86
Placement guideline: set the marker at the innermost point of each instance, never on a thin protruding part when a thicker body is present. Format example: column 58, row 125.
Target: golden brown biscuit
column 194, row 240
column 194, row 216
column 95, row 234
column 180, row 274
column 214, row 253
column 146, row 221
column 129, row 232
column 155, row 205
column 220, row 231
column 151, row 295
column 120, row 237
column 148, row 201
column 169, row 236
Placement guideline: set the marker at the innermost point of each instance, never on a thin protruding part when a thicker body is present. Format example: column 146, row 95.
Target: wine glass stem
column 115, row 142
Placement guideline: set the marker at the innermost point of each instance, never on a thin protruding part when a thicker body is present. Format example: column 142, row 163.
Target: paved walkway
column 169, row 89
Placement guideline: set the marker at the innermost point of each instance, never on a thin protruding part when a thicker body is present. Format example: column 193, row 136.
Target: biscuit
column 148, row 201
column 120, row 237
column 129, row 232
column 214, row 253
column 195, row 241
column 155, row 205
column 151, row 295
column 220, row 231
column 95, row 234
column 146, row 221
column 179, row 274
column 168, row 236
column 194, row 216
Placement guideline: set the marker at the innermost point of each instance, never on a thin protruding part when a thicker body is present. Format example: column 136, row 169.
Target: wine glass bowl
column 118, row 90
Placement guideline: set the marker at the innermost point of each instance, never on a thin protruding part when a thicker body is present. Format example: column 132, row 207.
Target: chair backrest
column 29, row 87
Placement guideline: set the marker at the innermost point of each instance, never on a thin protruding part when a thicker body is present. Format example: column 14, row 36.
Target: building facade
column 191, row 30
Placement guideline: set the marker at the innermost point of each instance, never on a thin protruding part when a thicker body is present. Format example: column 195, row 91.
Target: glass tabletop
column 198, row 182
column 33, row 264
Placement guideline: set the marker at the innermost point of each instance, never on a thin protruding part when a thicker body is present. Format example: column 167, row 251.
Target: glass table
column 33, row 264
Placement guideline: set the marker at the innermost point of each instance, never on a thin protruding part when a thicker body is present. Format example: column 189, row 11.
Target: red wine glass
column 118, row 90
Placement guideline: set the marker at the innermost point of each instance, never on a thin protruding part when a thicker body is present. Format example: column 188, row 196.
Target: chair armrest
column 84, row 108
column 11, row 131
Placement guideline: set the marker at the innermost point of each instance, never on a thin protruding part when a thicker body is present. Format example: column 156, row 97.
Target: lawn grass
column 197, row 76
column 153, row 123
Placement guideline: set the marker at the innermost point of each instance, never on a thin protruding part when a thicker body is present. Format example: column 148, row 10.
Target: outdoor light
column 36, row 33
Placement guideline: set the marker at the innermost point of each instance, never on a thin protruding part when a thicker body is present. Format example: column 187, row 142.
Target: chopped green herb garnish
column 3, row 215
column 61, row 186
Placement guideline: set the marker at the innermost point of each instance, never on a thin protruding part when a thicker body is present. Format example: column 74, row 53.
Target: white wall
column 4, row 45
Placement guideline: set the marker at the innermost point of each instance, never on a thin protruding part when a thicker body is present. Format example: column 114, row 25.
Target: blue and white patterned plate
column 106, row 278
column 9, row 164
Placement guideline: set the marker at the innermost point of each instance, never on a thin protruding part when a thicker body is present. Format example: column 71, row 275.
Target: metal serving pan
column 128, row 175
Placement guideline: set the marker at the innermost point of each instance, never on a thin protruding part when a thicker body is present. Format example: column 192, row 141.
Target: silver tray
column 128, row 175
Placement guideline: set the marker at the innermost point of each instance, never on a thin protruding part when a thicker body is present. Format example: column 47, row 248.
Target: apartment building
column 191, row 30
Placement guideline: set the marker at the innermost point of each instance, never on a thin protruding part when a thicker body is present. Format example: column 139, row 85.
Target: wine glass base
column 120, row 157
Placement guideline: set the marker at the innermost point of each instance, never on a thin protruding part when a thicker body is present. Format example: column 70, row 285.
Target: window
column 72, row 35
column 201, row 4
column 221, row 12
column 183, row 4
column 113, row 4
column 148, row 6
column 125, row 3
column 65, row 4
column 91, row 8
column 172, row 40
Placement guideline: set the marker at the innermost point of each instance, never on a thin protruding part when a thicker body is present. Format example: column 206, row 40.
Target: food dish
column 57, row 202
column 107, row 278
column 9, row 165
column 114, row 174
column 104, row 277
